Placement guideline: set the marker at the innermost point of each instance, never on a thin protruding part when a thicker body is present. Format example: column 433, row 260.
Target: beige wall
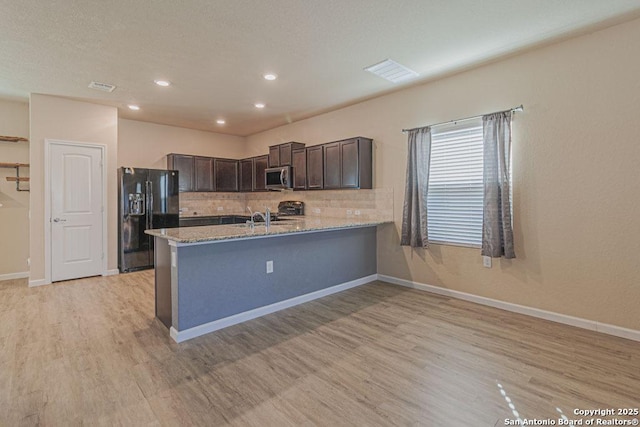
column 576, row 157
column 63, row 119
column 14, row 213
column 145, row 145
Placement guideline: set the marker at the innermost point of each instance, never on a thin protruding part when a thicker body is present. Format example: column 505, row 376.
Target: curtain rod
column 514, row 109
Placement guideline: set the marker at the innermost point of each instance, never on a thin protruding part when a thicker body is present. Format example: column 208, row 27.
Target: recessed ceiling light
column 259, row 105
column 162, row 83
column 220, row 121
column 134, row 107
column 270, row 76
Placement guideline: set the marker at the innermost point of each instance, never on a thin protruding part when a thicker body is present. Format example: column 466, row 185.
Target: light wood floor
column 89, row 352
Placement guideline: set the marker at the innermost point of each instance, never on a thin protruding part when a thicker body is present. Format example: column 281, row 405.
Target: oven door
column 278, row 178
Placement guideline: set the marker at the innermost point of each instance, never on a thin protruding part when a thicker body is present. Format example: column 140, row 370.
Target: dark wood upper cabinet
column 203, row 174
column 281, row 154
column 347, row 164
column 315, row 167
column 339, row 164
column 185, row 167
column 356, row 158
column 285, row 155
column 259, row 166
column 226, row 174
column 246, row 175
column 299, row 163
column 274, row 156
column 332, row 165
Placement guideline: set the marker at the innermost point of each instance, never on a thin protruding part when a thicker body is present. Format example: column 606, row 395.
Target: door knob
column 59, row 220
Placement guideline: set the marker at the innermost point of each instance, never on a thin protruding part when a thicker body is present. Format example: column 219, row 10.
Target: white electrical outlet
column 357, row 212
column 220, row 208
column 269, row 267
column 486, row 261
column 316, row 210
column 349, row 212
column 28, row 261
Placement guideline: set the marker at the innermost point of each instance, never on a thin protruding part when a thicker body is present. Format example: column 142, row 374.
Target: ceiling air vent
column 392, row 71
column 105, row 87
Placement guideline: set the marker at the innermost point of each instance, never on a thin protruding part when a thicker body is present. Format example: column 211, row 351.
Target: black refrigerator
column 147, row 198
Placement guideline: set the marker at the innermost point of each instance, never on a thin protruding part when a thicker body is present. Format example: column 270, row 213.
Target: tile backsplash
column 375, row 204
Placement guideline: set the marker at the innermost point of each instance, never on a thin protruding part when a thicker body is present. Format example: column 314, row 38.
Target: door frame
column 48, row 142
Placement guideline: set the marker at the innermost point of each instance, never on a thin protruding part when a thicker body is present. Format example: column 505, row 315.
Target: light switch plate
column 269, row 267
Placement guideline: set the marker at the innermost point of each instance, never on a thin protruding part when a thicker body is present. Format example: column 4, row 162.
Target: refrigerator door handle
column 150, row 209
column 146, row 218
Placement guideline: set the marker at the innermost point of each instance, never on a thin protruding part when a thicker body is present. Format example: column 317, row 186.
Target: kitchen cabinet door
column 350, row 164
column 286, row 152
column 285, row 155
column 299, row 163
column 356, row 163
column 274, row 156
column 332, row 165
column 315, row 166
column 259, row 167
column 184, row 165
column 203, row 174
column 281, row 154
column 226, row 174
column 246, row 175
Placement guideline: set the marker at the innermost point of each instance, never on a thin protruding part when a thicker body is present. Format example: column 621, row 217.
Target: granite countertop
column 213, row 233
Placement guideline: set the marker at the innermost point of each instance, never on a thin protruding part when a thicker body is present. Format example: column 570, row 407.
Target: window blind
column 455, row 196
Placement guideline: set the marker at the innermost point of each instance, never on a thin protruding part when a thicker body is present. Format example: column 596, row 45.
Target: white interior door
column 76, row 211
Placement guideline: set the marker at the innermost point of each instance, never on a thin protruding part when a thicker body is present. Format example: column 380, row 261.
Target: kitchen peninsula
column 211, row 277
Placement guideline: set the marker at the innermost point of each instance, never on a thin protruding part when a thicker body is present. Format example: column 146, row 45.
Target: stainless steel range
column 290, row 208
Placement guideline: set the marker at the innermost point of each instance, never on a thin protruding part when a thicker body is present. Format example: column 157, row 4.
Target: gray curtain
column 497, row 229
column 414, row 211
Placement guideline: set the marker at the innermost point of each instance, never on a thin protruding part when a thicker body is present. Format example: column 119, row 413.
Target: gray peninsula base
column 205, row 286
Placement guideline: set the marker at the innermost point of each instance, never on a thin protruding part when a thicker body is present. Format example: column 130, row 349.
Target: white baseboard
column 11, row 276
column 39, row 282
column 112, row 272
column 593, row 325
column 196, row 331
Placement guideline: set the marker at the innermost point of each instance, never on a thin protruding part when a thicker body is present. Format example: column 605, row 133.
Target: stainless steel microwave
column 278, row 178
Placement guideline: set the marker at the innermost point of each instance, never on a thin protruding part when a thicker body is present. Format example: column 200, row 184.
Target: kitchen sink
column 261, row 224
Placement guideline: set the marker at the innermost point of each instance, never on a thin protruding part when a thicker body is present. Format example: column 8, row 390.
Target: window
column 455, row 196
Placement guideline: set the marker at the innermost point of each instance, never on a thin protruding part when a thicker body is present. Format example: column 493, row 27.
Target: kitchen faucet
column 266, row 217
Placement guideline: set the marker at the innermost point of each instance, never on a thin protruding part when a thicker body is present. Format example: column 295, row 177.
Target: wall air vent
column 392, row 71
column 105, row 87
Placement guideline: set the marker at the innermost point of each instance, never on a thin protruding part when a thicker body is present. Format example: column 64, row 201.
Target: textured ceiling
column 215, row 52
